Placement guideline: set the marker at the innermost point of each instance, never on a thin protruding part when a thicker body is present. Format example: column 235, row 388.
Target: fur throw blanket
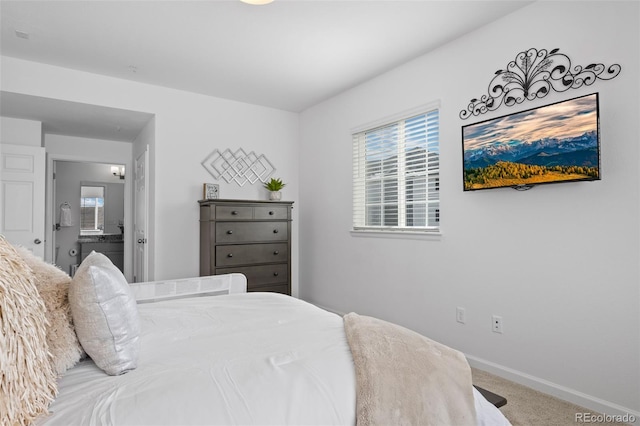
column 404, row 378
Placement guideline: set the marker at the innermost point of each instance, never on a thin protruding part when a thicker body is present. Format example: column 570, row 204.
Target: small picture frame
column 210, row 191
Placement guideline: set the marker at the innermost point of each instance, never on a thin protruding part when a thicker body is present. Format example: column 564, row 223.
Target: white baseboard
column 553, row 389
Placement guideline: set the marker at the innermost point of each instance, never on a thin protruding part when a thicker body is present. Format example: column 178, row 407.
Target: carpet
column 528, row 407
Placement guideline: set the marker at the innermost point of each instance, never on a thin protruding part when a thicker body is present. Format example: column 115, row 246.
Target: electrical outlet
column 461, row 315
column 496, row 324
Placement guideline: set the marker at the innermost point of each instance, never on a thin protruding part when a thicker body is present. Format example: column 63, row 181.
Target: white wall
column 559, row 263
column 187, row 128
column 20, row 132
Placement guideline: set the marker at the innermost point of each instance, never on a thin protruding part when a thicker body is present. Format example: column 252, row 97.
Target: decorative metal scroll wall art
column 533, row 74
column 238, row 167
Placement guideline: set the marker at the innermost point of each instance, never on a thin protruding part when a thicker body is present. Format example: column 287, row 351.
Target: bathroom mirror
column 92, row 209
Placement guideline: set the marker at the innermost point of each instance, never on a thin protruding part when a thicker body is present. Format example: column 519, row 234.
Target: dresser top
column 230, row 201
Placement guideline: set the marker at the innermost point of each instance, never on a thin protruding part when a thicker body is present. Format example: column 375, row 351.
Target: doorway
column 65, row 176
column 89, row 204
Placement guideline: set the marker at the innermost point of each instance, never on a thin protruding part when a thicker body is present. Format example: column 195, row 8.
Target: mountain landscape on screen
column 554, row 143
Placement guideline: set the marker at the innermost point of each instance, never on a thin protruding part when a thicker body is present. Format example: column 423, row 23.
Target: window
column 396, row 175
column 91, row 209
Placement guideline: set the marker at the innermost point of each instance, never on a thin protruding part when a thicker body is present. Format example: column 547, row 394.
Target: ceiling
column 75, row 119
column 289, row 55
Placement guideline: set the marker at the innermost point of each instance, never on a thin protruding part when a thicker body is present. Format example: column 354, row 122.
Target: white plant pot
column 275, row 195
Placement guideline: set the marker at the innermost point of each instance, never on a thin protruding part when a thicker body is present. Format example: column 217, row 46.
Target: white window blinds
column 396, row 175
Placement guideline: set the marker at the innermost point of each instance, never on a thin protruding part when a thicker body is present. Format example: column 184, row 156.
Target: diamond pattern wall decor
column 238, row 167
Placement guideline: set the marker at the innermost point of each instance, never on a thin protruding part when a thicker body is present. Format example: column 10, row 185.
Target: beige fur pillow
column 28, row 382
column 53, row 286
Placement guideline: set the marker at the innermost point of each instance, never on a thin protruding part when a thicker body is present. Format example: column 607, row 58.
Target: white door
column 22, row 178
column 141, row 256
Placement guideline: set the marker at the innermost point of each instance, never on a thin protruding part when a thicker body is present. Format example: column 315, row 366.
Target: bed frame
column 494, row 398
column 213, row 285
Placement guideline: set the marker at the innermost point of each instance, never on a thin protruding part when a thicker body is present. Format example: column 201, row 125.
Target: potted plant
column 274, row 186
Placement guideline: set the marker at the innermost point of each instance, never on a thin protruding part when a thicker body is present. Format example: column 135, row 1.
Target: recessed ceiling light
column 257, row 2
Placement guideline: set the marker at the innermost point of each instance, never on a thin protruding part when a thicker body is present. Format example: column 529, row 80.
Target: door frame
column 144, row 205
column 50, row 208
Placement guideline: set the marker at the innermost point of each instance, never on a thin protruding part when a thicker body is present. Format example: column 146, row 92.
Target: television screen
column 553, row 143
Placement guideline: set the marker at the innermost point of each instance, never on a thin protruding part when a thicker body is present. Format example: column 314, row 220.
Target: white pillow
column 105, row 315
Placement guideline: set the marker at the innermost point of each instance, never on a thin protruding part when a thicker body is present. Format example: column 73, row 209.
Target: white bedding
column 238, row 359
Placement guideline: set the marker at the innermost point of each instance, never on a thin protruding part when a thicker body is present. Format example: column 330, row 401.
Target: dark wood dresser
column 250, row 237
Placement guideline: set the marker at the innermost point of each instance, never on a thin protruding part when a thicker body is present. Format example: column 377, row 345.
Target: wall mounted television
column 549, row 144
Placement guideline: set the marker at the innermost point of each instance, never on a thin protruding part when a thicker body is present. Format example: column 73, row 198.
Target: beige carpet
column 528, row 407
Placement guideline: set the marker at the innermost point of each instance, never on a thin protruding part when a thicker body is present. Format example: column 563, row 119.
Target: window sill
column 88, row 232
column 400, row 234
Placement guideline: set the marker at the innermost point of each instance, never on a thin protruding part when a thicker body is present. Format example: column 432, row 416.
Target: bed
column 212, row 354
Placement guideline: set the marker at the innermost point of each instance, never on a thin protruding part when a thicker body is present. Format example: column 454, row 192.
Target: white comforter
column 241, row 359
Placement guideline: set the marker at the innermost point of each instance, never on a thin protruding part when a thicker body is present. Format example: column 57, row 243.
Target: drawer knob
column 271, row 213
column 275, row 231
column 229, row 232
column 230, row 255
column 235, row 212
column 276, row 253
column 275, row 274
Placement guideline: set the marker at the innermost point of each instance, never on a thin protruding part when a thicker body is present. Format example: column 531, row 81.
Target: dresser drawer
column 242, row 232
column 234, row 212
column 260, row 275
column 246, row 254
column 268, row 212
column 274, row 288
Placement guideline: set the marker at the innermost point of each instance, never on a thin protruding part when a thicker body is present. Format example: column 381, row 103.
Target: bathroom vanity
column 111, row 245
